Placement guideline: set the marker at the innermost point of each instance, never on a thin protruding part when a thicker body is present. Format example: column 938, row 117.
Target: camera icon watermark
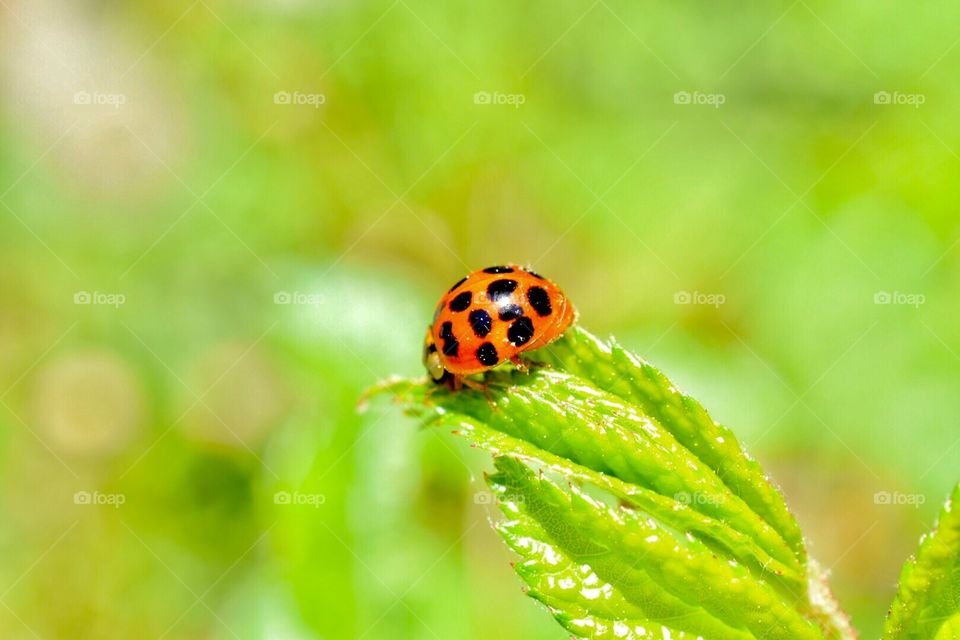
column 96, row 498
column 299, row 298
column 899, row 298
column 514, row 100
column 295, row 498
column 699, row 98
column 699, row 298
column 896, row 498
column 299, row 98
column 897, row 98
column 99, row 98
column 99, row 298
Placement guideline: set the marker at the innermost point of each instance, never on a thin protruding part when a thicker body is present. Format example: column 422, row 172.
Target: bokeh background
column 220, row 221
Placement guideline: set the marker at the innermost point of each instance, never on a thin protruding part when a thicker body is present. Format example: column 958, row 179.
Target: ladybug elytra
column 491, row 316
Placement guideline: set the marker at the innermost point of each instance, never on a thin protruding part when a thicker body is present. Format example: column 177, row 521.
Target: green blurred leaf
column 927, row 605
column 635, row 514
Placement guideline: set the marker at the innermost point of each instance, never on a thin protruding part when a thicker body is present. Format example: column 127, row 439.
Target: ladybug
column 490, row 316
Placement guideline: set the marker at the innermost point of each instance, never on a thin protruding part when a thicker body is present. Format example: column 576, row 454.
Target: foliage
column 928, row 601
column 634, row 513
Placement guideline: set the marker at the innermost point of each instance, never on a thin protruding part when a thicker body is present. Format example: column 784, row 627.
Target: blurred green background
column 221, row 221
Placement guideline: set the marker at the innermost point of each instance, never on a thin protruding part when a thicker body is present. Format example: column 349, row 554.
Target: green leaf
column 635, row 515
column 613, row 368
column 927, row 605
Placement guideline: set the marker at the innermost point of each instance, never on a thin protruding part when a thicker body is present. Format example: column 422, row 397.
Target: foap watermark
column 697, row 498
column 299, row 298
column 698, row 297
column 897, row 498
column 99, row 98
column 898, row 98
column 299, row 99
column 99, row 298
column 497, row 98
column 485, row 497
column 899, row 298
column 97, row 499
column 296, row 498
column 699, row 98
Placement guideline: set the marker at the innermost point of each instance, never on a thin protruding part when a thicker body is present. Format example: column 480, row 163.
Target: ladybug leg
column 472, row 384
column 478, row 386
column 519, row 364
column 459, row 382
column 526, row 366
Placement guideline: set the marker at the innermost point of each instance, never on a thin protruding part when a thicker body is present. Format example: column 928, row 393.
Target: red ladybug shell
column 492, row 315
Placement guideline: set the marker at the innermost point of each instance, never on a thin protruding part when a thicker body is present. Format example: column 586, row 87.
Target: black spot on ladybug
column 502, row 269
column 446, row 330
column 431, row 348
column 540, row 301
column 535, row 274
column 510, row 312
column 500, row 289
column 451, row 347
column 520, row 331
column 461, row 302
column 481, row 322
column 459, row 282
column 487, row 354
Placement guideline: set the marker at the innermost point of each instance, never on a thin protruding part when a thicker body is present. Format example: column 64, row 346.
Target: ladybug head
column 431, row 360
